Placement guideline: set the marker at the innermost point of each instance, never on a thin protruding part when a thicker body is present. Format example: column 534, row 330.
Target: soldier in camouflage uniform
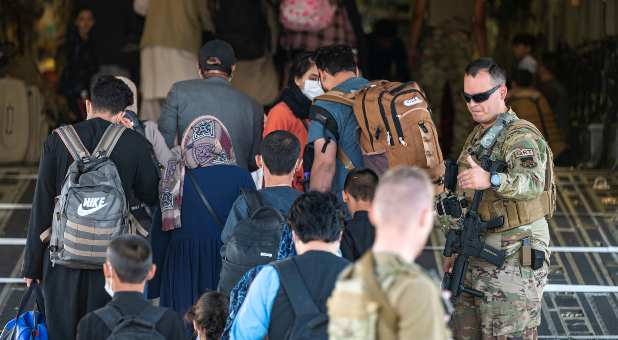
column 385, row 295
column 452, row 31
column 524, row 195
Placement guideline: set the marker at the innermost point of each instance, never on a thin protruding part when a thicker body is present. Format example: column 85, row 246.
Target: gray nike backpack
column 92, row 208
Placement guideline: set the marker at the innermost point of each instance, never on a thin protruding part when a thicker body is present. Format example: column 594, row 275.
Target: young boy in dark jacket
column 358, row 234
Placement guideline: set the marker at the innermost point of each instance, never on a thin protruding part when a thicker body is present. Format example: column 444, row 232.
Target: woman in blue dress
column 191, row 261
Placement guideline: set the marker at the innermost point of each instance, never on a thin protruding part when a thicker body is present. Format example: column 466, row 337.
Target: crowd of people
column 246, row 225
column 96, row 43
column 244, row 244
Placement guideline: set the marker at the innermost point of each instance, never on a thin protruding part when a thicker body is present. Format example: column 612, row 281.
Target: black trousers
column 69, row 295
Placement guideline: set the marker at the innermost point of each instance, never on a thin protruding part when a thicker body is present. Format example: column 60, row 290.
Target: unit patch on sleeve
column 519, row 153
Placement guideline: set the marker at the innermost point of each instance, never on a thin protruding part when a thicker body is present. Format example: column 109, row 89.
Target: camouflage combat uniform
column 445, row 54
column 511, row 306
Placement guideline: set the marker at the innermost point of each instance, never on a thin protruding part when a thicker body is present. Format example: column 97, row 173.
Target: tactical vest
column 359, row 308
column 515, row 212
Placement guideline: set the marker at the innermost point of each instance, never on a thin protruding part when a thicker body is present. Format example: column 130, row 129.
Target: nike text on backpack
column 92, row 207
column 254, row 241
column 132, row 327
column 395, row 126
column 309, row 321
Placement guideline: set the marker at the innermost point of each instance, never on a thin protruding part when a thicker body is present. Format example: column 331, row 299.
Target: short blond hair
column 403, row 191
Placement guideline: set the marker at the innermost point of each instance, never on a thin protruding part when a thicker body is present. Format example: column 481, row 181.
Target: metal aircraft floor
column 586, row 217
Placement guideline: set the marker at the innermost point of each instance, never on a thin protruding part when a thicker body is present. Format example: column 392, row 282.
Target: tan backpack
column 358, row 304
column 396, row 127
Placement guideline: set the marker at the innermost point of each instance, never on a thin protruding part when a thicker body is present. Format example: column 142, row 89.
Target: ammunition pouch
column 530, row 257
column 449, row 204
column 515, row 213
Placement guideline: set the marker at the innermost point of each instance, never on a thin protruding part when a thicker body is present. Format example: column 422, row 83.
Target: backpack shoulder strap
column 202, row 196
column 108, row 141
column 339, row 97
column 72, row 142
column 253, row 199
column 295, row 288
column 322, row 116
column 110, row 316
column 152, row 314
column 367, row 273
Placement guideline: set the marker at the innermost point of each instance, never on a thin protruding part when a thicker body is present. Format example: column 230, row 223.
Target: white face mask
column 108, row 287
column 312, row 89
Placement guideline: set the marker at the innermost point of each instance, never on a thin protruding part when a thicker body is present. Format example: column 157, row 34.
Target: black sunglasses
column 480, row 97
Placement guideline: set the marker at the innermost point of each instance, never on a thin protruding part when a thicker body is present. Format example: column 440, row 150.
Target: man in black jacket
column 71, row 293
column 128, row 267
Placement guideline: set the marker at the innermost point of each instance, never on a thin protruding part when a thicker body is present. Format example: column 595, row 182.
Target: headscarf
column 131, row 85
column 205, row 142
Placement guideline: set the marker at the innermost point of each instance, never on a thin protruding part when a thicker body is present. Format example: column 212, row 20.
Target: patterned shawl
column 206, row 142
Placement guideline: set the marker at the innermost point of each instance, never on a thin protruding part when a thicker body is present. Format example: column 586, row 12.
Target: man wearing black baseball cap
column 213, row 95
column 217, row 57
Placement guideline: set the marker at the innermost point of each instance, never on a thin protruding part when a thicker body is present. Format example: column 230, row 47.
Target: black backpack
column 132, row 327
column 309, row 321
column 243, row 24
column 254, row 241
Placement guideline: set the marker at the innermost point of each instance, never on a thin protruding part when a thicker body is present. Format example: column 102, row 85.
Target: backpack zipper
column 396, row 120
column 389, row 140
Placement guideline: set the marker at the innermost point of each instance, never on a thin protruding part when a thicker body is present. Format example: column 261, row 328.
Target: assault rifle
column 466, row 241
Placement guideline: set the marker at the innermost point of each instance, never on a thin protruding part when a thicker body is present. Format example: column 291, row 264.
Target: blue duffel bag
column 29, row 325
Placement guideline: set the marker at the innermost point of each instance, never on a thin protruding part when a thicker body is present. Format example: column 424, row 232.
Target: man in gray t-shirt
column 213, row 95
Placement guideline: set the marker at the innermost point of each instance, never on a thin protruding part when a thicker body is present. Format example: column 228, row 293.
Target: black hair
column 72, row 34
column 361, row 184
column 210, row 313
column 523, row 78
column 335, row 58
column 316, row 216
column 497, row 73
column 301, row 64
column 280, row 150
column 130, row 257
column 110, row 94
column 525, row 39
